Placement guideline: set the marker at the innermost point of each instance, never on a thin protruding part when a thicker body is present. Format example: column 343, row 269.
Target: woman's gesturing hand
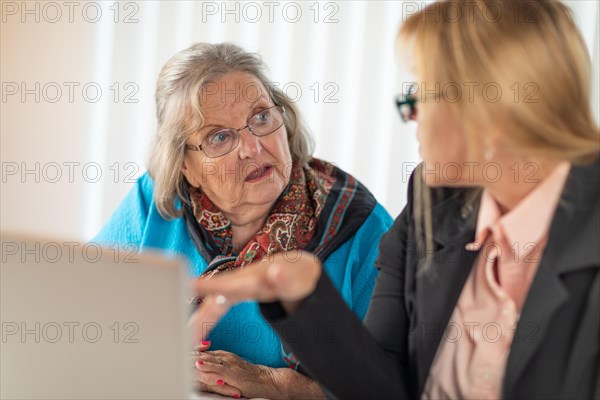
column 287, row 277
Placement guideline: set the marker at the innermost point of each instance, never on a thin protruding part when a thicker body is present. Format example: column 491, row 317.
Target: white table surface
column 213, row 396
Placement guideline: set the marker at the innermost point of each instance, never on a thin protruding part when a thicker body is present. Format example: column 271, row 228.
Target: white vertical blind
column 336, row 58
column 97, row 137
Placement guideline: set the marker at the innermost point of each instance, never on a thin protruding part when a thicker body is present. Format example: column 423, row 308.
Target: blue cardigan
column 243, row 331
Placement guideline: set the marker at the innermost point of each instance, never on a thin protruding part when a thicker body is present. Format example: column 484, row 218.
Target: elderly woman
column 231, row 182
column 489, row 283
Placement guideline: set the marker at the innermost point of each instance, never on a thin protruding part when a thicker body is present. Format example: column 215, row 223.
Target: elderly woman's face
column 251, row 177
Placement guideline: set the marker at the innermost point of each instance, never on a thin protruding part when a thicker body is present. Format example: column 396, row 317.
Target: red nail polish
column 205, row 342
column 198, row 363
column 236, row 396
column 220, row 382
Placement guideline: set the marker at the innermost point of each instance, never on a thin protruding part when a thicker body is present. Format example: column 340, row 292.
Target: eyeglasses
column 407, row 104
column 223, row 141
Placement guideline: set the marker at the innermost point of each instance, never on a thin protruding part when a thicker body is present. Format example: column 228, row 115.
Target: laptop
column 80, row 321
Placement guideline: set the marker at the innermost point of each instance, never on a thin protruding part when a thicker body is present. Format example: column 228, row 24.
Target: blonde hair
column 535, row 45
column 179, row 113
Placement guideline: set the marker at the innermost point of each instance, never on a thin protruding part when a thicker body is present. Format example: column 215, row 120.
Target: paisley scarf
column 318, row 211
column 320, row 208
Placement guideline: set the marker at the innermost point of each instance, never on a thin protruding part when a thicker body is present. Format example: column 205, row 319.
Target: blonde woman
column 489, row 283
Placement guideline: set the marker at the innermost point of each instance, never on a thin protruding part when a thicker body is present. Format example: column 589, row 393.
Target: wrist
column 290, row 307
column 286, row 383
column 313, row 270
column 271, row 382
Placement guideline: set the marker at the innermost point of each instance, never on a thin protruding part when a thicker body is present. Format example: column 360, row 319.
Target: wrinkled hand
column 287, row 277
column 210, row 381
column 225, row 373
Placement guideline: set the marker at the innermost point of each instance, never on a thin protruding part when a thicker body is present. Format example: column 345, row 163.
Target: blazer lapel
column 438, row 287
column 572, row 244
column 545, row 296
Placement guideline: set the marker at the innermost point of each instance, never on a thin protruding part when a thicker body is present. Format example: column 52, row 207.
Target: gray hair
column 179, row 114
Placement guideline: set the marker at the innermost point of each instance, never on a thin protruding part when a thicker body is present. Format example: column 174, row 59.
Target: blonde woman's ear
column 490, row 152
column 491, row 143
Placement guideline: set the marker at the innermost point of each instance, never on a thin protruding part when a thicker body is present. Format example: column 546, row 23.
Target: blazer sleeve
column 351, row 360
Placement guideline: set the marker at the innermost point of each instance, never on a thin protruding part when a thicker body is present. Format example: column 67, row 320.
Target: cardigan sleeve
column 128, row 222
column 362, row 258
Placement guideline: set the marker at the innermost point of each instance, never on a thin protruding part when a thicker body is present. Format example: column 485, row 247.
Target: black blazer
column 555, row 353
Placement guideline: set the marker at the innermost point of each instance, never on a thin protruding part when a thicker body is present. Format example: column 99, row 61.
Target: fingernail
column 220, row 382
column 236, row 396
column 199, row 363
column 205, row 342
